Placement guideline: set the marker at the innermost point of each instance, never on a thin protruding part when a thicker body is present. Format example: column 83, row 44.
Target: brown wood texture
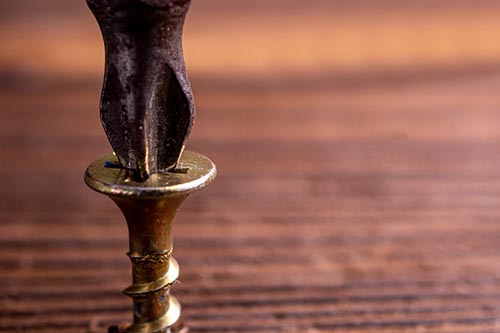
column 358, row 148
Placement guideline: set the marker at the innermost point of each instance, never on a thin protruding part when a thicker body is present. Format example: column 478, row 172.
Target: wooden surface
column 358, row 153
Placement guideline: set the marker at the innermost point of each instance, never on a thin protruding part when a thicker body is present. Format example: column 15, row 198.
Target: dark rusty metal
column 147, row 106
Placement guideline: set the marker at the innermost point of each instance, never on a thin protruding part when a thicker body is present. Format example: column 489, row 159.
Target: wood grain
column 358, row 153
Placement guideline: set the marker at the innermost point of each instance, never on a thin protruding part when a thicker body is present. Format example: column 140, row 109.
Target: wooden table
column 358, row 153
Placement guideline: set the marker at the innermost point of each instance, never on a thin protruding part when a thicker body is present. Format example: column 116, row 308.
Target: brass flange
column 149, row 208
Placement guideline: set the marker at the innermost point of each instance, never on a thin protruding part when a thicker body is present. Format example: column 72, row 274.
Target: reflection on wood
column 357, row 187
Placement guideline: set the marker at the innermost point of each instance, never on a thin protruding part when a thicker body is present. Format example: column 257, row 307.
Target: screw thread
column 154, row 270
column 155, row 310
column 149, row 208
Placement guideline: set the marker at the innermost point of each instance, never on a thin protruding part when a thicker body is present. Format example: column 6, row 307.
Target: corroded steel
column 147, row 106
column 149, row 208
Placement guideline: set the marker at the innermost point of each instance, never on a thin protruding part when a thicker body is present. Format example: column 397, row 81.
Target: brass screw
column 149, row 208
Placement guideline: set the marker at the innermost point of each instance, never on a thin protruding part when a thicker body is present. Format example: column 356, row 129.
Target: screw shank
column 149, row 208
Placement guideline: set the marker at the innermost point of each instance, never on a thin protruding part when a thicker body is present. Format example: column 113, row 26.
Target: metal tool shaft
column 147, row 107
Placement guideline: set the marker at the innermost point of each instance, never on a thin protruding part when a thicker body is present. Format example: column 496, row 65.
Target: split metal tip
column 147, row 106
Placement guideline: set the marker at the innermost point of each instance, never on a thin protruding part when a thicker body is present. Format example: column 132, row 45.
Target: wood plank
column 358, row 153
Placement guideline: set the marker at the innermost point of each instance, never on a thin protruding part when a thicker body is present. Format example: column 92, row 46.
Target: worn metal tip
column 147, row 106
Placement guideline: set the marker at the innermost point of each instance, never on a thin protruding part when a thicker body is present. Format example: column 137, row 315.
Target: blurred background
column 358, row 150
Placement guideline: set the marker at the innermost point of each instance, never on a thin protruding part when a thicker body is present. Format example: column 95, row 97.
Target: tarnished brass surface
column 117, row 181
column 149, row 208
